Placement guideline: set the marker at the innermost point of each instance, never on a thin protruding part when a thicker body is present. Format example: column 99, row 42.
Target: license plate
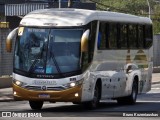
column 44, row 96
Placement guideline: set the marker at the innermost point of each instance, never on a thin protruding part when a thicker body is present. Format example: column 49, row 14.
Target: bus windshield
column 48, row 51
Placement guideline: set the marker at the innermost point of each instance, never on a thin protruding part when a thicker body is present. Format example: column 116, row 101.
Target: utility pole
column 149, row 9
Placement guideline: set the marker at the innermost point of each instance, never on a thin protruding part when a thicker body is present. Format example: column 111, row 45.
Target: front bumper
column 67, row 95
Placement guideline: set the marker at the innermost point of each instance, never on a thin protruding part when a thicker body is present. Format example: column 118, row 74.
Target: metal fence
column 23, row 9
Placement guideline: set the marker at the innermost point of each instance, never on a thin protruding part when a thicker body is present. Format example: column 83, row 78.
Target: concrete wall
column 156, row 50
column 5, row 82
column 6, row 59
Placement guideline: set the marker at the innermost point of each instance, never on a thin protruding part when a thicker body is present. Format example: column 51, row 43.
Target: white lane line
column 149, row 101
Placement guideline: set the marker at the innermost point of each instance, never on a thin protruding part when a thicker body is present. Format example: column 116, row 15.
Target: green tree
column 156, row 18
column 135, row 7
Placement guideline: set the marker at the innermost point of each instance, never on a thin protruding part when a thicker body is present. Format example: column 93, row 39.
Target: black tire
column 95, row 102
column 131, row 99
column 36, row 105
column 76, row 103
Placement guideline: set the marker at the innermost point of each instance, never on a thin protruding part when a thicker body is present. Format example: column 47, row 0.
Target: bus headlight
column 75, row 83
column 19, row 83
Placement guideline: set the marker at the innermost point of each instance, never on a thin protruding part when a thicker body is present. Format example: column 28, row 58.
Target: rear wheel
column 95, row 102
column 131, row 99
column 36, row 105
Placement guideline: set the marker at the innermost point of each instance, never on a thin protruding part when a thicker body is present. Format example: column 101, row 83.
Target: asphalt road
column 146, row 103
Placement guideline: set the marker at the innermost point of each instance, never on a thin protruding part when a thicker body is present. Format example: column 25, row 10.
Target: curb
column 6, row 98
column 6, row 94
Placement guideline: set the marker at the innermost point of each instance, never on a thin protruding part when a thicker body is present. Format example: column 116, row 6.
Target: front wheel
column 95, row 102
column 36, row 105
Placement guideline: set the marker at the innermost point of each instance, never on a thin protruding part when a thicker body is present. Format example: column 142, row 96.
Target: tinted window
column 103, row 36
column 107, row 36
column 112, row 35
column 148, row 36
column 132, row 36
column 123, row 36
column 140, row 36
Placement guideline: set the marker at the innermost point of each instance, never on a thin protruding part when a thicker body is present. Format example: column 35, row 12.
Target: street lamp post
column 149, row 9
column 59, row 4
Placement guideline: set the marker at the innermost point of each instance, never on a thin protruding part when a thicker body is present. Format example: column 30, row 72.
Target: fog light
column 76, row 95
column 73, row 84
column 14, row 93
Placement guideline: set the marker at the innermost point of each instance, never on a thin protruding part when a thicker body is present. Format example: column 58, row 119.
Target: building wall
column 5, row 58
column 156, row 50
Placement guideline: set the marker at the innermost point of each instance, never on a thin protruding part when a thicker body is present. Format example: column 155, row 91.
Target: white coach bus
column 81, row 56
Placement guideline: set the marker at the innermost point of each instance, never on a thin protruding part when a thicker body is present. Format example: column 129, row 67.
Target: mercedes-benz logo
column 44, row 88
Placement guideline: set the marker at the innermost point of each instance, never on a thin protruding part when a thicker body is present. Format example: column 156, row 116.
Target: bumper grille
column 33, row 87
column 39, row 88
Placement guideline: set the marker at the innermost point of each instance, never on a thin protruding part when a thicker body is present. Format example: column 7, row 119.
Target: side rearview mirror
column 9, row 39
column 84, row 41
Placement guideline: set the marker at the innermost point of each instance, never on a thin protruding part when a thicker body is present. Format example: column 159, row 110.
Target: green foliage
column 135, row 7
column 156, row 18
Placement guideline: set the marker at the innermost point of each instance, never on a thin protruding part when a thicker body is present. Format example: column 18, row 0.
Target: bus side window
column 123, row 36
column 99, row 39
column 148, row 36
column 140, row 36
column 112, row 36
column 132, row 36
column 102, row 42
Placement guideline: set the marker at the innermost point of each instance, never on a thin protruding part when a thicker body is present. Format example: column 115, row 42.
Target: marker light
column 14, row 93
column 76, row 95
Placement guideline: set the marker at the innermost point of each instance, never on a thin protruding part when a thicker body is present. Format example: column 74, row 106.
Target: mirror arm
column 84, row 41
column 9, row 39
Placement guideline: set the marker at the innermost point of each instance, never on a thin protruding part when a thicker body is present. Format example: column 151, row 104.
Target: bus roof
column 77, row 17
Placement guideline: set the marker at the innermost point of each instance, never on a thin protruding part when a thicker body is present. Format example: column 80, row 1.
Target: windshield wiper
column 39, row 56
column 56, row 64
